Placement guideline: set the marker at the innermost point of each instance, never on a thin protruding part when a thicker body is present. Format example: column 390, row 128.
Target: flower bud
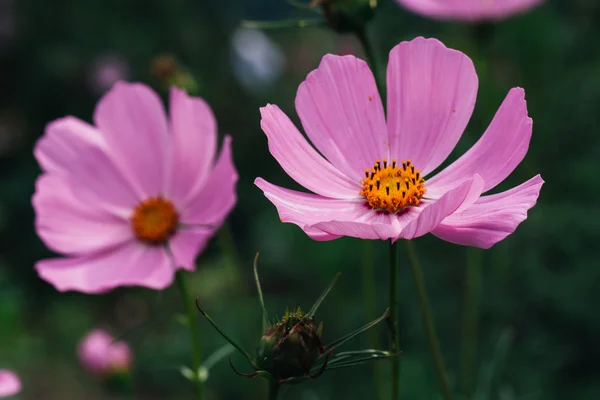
column 348, row 15
column 102, row 356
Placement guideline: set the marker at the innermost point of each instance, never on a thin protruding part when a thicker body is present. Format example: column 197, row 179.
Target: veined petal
column 469, row 10
column 70, row 226
column 372, row 225
column 194, row 145
column 186, row 244
column 491, row 218
column 431, row 95
column 63, row 142
column 498, row 152
column 134, row 125
column 301, row 161
column 342, row 114
column 217, row 196
column 130, row 264
column 435, row 212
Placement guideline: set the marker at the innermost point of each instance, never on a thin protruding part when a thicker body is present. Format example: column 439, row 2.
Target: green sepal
column 352, row 335
column 315, row 307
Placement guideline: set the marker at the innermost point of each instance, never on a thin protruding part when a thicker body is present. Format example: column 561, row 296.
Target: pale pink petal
column 372, row 225
column 63, row 143
column 217, row 197
column 491, row 218
column 434, row 213
column 134, row 125
column 302, row 162
column 306, row 209
column 130, row 264
column 68, row 225
column 469, row 10
column 194, row 145
column 497, row 153
column 10, row 384
column 100, row 354
column 342, row 114
column 431, row 93
column 186, row 244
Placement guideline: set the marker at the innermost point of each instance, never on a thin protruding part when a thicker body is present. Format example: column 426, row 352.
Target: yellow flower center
column 154, row 220
column 392, row 187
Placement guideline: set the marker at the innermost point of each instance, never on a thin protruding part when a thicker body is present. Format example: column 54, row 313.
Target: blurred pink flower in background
column 106, row 70
column 134, row 197
column 370, row 184
column 469, row 10
column 9, row 383
column 100, row 355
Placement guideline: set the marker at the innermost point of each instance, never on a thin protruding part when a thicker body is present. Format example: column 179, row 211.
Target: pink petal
column 469, row 10
column 217, row 197
column 10, row 384
column 491, row 218
column 498, row 152
column 194, row 145
column 301, row 161
column 134, row 125
column 342, row 114
column 306, row 210
column 99, row 353
column 431, row 95
column 186, row 245
column 130, row 264
column 63, row 143
column 434, row 213
column 67, row 225
column 373, row 225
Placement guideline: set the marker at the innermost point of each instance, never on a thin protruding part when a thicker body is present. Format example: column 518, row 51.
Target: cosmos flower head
column 374, row 179
column 133, row 197
column 469, row 10
column 10, row 384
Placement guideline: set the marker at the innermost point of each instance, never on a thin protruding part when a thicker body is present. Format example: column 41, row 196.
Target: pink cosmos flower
column 100, row 355
column 374, row 179
column 9, row 383
column 469, row 10
column 133, row 197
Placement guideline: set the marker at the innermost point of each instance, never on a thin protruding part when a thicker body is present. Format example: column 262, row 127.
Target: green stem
column 273, row 390
column 468, row 359
column 230, row 251
column 194, row 332
column 373, row 60
column 434, row 346
column 393, row 321
column 369, row 297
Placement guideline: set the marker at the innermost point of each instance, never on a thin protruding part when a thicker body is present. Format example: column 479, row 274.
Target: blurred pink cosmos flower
column 469, row 10
column 371, row 183
column 100, row 355
column 134, row 196
column 9, row 383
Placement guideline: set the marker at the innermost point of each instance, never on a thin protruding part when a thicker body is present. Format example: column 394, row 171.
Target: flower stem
column 468, row 358
column 369, row 298
column 373, row 61
column 393, row 320
column 434, row 346
column 194, row 332
column 273, row 390
column 230, row 251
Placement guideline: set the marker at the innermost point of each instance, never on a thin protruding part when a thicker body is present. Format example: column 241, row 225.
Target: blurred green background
column 539, row 325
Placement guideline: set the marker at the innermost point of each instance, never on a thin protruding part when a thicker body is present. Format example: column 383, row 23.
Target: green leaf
column 358, row 361
column 317, row 304
column 352, row 335
column 265, row 316
column 359, row 355
column 225, row 336
column 217, row 356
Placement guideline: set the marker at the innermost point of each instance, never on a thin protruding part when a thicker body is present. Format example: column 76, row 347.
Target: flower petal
column 491, row 218
column 434, row 213
column 186, row 245
column 431, row 96
column 134, row 125
column 217, row 197
column 373, row 225
column 10, row 384
column 63, row 142
column 469, row 10
column 194, row 145
column 498, row 152
column 306, row 209
column 67, row 225
column 342, row 114
column 130, row 264
column 301, row 161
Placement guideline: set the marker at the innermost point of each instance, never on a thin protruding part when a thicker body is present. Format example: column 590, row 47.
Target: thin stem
column 194, row 331
column 393, row 320
column 373, row 61
column 468, row 359
column 273, row 390
column 434, row 346
column 369, row 298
